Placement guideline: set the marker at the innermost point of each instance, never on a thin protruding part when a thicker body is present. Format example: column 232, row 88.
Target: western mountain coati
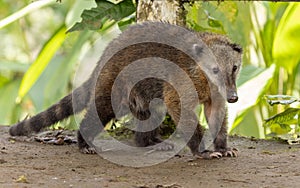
column 209, row 61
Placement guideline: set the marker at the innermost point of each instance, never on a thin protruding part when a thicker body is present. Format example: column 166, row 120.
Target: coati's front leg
column 216, row 116
column 191, row 131
column 193, row 134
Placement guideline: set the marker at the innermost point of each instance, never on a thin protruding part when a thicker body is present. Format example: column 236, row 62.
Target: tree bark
column 170, row 11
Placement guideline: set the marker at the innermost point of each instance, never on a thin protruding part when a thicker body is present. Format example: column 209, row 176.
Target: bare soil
column 260, row 163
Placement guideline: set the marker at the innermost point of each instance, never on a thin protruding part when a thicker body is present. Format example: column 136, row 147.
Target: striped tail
column 57, row 112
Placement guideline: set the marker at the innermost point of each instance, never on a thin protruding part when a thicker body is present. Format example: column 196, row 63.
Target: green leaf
column 54, row 82
column 7, row 101
column 41, row 62
column 75, row 12
column 279, row 129
column 3, row 80
column 213, row 22
column 95, row 18
column 13, row 66
column 123, row 24
column 286, row 46
column 247, row 73
column 245, row 121
column 298, row 121
column 63, row 72
column 285, row 117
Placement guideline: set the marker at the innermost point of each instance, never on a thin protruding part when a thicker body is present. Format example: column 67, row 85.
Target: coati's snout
column 232, row 97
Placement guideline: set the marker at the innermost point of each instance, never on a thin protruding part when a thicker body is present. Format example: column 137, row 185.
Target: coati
column 210, row 61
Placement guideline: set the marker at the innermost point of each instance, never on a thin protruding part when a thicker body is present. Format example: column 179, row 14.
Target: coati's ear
column 197, row 49
column 237, row 48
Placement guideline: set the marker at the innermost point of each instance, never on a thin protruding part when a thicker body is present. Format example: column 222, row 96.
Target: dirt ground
column 260, row 164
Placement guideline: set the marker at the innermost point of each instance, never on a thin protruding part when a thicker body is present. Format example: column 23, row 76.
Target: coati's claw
column 215, row 155
column 88, row 150
column 229, row 152
column 209, row 154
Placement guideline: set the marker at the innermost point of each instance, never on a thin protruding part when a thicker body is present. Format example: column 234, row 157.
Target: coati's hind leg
column 148, row 123
column 151, row 138
column 144, row 139
column 88, row 130
column 83, row 146
column 90, row 127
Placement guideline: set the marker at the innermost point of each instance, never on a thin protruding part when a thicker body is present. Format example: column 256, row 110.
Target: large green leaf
column 54, row 82
column 75, row 12
column 247, row 73
column 246, row 124
column 286, row 48
column 3, row 80
column 53, row 90
column 95, row 18
column 13, row 66
column 42, row 61
column 285, row 117
column 279, row 129
column 7, row 101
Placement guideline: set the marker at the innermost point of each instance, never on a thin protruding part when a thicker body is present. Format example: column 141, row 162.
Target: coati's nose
column 233, row 99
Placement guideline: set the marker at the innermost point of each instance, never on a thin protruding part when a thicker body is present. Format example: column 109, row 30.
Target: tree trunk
column 170, row 11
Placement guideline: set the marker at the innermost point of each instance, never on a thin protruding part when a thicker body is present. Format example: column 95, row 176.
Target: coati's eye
column 198, row 49
column 215, row 70
column 234, row 68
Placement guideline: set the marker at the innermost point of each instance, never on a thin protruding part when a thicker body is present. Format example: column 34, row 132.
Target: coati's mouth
column 233, row 99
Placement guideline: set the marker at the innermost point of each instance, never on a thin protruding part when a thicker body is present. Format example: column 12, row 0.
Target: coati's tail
column 57, row 112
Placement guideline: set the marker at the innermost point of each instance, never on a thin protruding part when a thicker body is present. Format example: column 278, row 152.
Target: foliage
column 279, row 24
column 105, row 11
column 284, row 124
column 41, row 62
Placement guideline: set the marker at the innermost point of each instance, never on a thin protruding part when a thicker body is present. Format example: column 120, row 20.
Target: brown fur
column 95, row 94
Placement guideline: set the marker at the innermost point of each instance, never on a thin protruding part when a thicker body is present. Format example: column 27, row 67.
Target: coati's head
column 229, row 59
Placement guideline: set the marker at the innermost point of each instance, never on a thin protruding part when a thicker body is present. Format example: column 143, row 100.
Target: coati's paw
column 229, row 152
column 163, row 146
column 207, row 154
column 88, row 150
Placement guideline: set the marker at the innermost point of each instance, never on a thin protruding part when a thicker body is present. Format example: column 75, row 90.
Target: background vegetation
column 38, row 60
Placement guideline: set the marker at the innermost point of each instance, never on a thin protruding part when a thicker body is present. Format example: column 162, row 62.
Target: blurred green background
column 38, row 60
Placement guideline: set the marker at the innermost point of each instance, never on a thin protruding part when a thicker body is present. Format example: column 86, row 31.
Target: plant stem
column 24, row 11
